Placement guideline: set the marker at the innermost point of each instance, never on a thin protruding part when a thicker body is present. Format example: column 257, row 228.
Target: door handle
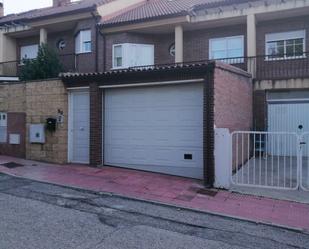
column 82, row 128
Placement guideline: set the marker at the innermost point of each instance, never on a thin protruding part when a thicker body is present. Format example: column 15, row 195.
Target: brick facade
column 281, row 25
column 259, row 110
column 233, row 99
column 95, row 125
column 196, row 43
column 222, row 105
column 82, row 62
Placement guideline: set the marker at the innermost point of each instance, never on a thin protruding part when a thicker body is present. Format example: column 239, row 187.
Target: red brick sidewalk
column 165, row 189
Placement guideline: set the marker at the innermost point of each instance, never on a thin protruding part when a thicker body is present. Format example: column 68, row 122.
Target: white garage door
column 155, row 129
column 286, row 117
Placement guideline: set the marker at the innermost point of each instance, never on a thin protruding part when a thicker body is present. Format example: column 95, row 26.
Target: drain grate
column 203, row 191
column 12, row 165
column 208, row 192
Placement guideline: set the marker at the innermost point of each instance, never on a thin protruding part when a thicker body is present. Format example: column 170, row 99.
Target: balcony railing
column 13, row 68
column 261, row 67
column 273, row 68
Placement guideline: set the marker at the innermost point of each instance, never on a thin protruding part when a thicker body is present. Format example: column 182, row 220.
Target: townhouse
column 269, row 39
column 69, row 27
column 153, row 54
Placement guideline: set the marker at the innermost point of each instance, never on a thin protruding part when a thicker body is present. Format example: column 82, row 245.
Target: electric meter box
column 37, row 134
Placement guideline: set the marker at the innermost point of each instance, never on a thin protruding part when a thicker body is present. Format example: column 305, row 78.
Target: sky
column 16, row 6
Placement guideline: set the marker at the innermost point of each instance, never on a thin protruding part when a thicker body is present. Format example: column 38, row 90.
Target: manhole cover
column 12, row 165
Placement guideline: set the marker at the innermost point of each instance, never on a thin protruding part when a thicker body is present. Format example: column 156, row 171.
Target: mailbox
column 51, row 124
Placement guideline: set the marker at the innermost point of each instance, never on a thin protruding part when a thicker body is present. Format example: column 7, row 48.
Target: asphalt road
column 36, row 215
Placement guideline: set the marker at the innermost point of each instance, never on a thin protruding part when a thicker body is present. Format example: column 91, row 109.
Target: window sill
column 81, row 53
column 286, row 58
column 119, row 68
column 231, row 61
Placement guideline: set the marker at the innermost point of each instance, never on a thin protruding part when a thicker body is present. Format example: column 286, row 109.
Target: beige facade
column 281, row 84
column 40, row 100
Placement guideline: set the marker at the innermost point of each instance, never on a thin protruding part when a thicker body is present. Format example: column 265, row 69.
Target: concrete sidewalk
column 171, row 190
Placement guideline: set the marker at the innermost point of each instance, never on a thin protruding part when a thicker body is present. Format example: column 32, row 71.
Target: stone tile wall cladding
column 39, row 100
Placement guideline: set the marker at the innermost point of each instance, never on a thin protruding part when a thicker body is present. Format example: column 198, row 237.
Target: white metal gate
column 277, row 160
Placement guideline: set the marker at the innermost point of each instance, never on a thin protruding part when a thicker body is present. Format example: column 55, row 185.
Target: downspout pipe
column 96, row 19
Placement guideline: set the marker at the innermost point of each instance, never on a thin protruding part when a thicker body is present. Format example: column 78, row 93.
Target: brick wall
column 87, row 62
column 32, row 103
column 123, row 38
column 281, row 25
column 233, row 99
column 259, row 110
column 282, row 69
column 95, row 125
column 196, row 43
column 84, row 62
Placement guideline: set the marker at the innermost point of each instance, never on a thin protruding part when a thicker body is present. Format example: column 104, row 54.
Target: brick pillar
column 208, row 130
column 259, row 110
column 95, row 125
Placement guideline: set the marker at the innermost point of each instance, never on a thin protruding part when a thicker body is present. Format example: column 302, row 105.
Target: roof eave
column 34, row 19
column 156, row 18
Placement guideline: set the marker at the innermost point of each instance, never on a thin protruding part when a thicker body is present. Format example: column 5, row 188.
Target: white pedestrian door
column 287, row 117
column 157, row 129
column 79, row 127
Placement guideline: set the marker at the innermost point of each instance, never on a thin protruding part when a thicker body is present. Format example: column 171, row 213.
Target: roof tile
column 153, row 9
column 51, row 11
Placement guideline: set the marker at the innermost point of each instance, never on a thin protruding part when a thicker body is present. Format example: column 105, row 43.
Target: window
column 285, row 45
column 3, row 127
column 29, row 52
column 118, row 56
column 132, row 55
column 83, row 42
column 227, row 48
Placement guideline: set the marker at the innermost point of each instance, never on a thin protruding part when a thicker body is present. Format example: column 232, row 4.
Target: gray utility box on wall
column 14, row 139
column 37, row 133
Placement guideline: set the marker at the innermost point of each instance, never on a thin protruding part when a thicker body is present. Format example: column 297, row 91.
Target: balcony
column 261, row 67
column 70, row 63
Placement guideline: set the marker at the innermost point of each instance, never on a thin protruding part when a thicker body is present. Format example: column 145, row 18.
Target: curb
column 102, row 193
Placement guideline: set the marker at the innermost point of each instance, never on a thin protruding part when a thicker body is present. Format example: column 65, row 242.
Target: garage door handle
column 82, row 128
column 303, row 143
